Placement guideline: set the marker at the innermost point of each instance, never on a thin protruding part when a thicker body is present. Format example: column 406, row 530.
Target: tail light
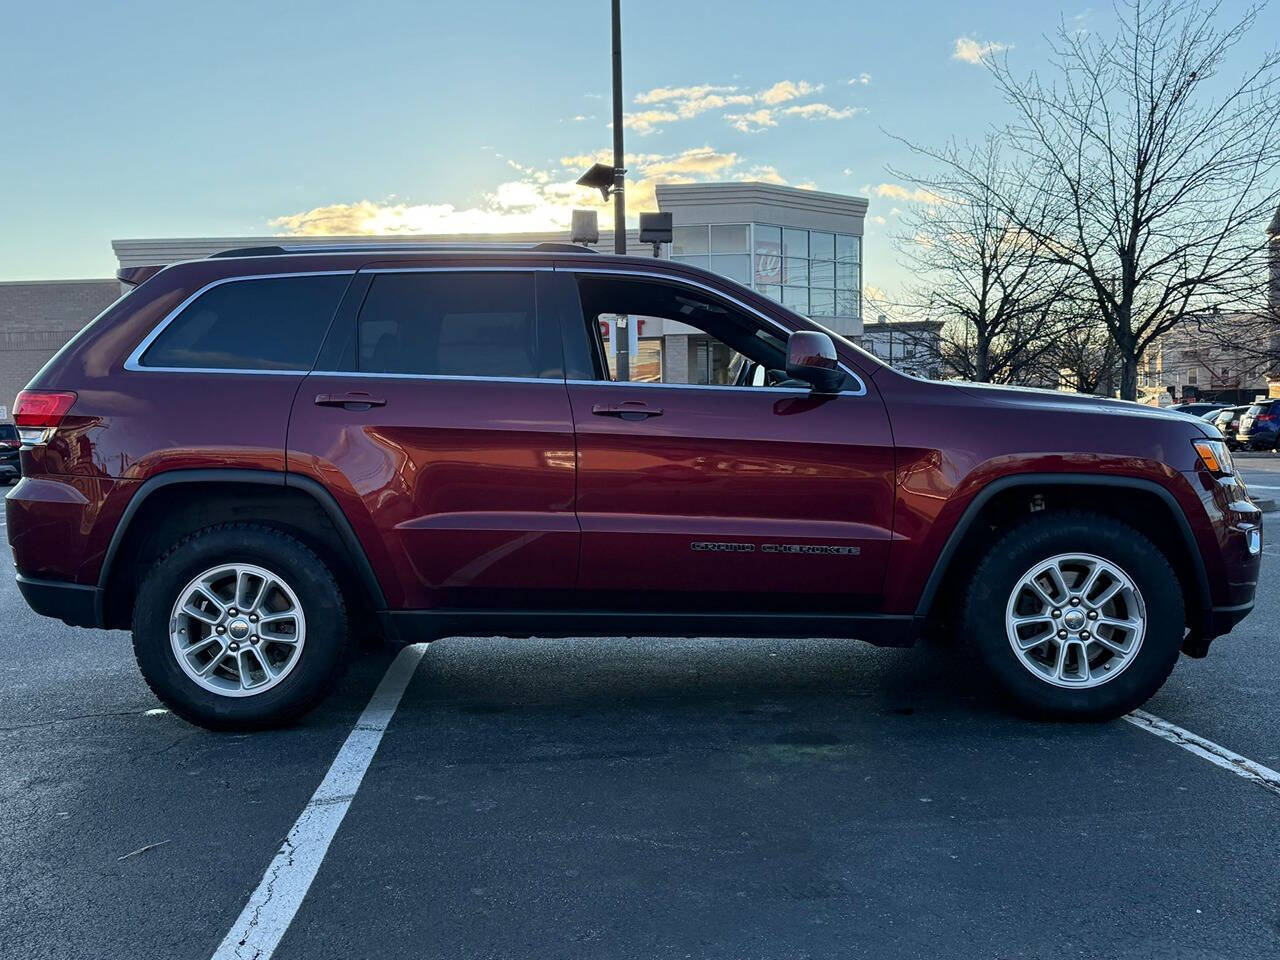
column 42, row 408
column 1264, row 418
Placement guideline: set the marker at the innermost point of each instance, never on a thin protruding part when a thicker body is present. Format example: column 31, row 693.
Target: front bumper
column 74, row 604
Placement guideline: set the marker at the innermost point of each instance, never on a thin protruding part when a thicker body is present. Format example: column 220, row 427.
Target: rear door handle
column 349, row 401
column 627, row 410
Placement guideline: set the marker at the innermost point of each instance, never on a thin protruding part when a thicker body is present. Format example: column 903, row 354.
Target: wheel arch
column 1000, row 502
column 164, row 506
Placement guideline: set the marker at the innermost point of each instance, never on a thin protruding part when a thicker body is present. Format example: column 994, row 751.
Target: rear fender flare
column 364, row 570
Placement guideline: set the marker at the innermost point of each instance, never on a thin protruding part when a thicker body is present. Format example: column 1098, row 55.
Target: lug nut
column 235, row 647
column 220, row 628
column 1084, row 634
column 1056, row 613
column 1075, row 601
column 253, row 639
column 253, row 618
column 1062, row 634
column 1093, row 614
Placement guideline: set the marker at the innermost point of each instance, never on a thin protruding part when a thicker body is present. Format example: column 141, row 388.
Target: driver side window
column 681, row 335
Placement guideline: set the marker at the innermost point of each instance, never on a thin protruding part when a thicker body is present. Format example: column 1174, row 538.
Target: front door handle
column 350, row 401
column 627, row 410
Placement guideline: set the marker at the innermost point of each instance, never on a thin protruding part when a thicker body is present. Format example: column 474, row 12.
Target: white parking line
column 271, row 907
column 1260, row 486
column 1207, row 750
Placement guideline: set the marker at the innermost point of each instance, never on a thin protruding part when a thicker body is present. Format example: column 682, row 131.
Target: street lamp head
column 584, row 227
column 655, row 228
column 600, row 176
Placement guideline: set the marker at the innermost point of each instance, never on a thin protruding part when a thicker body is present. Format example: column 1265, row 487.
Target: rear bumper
column 73, row 603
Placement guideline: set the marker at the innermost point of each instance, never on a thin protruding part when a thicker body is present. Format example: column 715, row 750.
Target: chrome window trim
column 455, row 269
column 721, row 387
column 615, row 272
column 465, row 378
column 133, row 362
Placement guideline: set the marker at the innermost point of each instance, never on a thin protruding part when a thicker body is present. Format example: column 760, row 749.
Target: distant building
column 1229, row 356
column 36, row 318
column 912, row 346
column 1212, row 356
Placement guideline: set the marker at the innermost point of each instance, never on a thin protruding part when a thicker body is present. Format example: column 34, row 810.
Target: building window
column 1191, row 377
column 810, row 271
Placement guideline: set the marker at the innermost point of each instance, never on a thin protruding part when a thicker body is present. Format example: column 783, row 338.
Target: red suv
column 254, row 457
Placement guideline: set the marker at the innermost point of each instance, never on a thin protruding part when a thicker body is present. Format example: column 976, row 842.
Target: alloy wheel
column 237, row 630
column 1075, row 620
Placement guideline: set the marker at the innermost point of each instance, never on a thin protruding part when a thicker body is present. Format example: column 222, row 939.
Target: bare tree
column 1163, row 171
column 991, row 281
column 1086, row 359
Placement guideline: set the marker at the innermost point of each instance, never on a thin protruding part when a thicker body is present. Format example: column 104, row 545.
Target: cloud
column 646, row 122
column 668, row 104
column 785, row 90
column 690, row 101
column 540, row 200
column 879, row 220
column 969, row 50
column 753, row 122
column 862, row 78
column 822, row 111
column 895, row 191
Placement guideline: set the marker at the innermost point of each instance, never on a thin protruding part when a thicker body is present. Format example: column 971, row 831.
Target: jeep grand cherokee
column 253, row 457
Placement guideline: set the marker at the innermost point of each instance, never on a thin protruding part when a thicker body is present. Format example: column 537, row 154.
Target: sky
column 183, row 119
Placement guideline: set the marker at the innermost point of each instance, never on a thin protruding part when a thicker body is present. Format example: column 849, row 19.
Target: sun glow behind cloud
column 540, row 200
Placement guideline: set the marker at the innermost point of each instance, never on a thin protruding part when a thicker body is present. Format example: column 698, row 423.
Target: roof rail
column 279, row 250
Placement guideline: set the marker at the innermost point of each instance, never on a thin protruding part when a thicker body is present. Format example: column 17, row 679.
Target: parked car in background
column 1198, row 409
column 1228, row 423
column 254, row 456
column 1260, row 426
column 10, row 462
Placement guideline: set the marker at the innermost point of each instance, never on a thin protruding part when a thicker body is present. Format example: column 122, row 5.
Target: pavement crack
column 71, row 719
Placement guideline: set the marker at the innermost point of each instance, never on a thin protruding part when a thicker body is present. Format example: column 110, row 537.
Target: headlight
column 1215, row 456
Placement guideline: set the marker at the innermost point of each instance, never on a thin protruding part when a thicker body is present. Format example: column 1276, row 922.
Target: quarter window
column 455, row 325
column 273, row 323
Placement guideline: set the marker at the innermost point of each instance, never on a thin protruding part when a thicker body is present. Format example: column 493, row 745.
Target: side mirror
column 811, row 357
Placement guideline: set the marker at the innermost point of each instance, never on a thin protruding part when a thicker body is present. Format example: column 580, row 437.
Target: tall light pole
column 619, row 172
column 611, row 182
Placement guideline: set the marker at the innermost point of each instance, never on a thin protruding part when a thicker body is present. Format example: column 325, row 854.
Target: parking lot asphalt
column 647, row 798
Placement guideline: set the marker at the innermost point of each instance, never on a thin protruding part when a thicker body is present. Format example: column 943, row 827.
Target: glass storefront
column 811, row 271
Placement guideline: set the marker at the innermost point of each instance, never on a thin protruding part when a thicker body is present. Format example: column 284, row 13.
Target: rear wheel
column 240, row 627
column 1077, row 615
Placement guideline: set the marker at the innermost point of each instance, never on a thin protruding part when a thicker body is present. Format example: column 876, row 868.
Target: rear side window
column 1257, row 408
column 274, row 323
column 455, row 325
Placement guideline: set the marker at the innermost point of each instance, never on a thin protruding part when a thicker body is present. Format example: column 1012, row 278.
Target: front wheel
column 1077, row 615
column 240, row 627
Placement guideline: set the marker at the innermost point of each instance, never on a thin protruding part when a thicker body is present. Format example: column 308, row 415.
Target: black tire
column 320, row 663
column 1049, row 534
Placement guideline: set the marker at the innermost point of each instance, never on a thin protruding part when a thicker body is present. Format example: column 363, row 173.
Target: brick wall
column 38, row 317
